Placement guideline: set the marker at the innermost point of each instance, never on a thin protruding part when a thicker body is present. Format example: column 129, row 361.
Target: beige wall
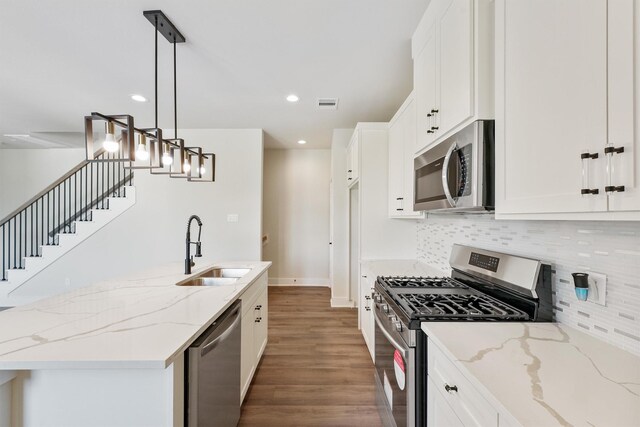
column 296, row 215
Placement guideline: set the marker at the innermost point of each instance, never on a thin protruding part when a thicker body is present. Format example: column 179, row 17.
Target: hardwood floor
column 316, row 370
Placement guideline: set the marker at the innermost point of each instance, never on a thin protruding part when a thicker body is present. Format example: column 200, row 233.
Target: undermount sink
column 216, row 276
column 225, row 272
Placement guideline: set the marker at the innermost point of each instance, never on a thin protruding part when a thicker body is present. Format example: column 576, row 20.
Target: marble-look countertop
column 400, row 267
column 545, row 374
column 139, row 321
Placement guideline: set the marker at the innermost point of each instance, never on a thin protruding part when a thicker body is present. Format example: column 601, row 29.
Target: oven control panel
column 484, row 261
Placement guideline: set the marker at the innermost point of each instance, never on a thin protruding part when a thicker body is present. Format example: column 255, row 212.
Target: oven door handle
column 445, row 175
column 387, row 335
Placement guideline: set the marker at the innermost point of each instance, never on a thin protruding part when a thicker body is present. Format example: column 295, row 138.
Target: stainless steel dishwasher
column 213, row 373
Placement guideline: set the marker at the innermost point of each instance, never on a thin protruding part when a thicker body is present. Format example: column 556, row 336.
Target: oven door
column 395, row 374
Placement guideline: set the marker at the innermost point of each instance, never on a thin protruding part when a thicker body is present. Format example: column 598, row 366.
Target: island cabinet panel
column 253, row 330
column 365, row 309
column 100, row 397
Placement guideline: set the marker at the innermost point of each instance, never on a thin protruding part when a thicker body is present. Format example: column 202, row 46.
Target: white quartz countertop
column 140, row 321
column 545, row 374
column 400, row 267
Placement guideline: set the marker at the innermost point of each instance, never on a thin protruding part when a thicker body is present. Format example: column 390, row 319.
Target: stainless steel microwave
column 457, row 174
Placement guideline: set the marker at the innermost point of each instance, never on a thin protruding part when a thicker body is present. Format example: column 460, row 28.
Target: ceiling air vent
column 328, row 103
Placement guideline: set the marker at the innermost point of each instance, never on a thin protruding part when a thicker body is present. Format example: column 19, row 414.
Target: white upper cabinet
column 402, row 137
column 564, row 93
column 452, row 50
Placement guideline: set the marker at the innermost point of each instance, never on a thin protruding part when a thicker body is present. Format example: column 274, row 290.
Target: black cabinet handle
column 349, row 179
column 368, row 308
column 349, row 170
column 614, row 188
column 590, row 191
column 399, row 209
column 589, row 155
column 429, row 131
column 258, row 307
column 612, row 150
column 258, row 320
column 399, row 198
column 450, row 388
column 434, row 127
column 434, row 111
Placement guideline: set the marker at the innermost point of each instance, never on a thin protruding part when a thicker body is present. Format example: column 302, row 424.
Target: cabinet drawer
column 250, row 295
column 467, row 402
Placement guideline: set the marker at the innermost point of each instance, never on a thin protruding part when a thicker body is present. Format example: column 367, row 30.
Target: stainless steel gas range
column 484, row 286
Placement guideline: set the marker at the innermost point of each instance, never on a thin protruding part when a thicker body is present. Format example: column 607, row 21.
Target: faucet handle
column 198, row 250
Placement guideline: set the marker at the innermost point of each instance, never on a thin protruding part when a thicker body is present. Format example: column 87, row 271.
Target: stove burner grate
column 422, row 282
column 460, row 306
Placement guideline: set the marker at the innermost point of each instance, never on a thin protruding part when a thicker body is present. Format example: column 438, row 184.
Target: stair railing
column 54, row 211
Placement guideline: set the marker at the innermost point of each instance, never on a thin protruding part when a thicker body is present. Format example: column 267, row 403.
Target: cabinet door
column 439, row 413
column 455, row 59
column 551, row 99
column 247, row 352
column 409, row 118
column 424, row 84
column 366, row 314
column 624, row 104
column 396, row 158
column 261, row 324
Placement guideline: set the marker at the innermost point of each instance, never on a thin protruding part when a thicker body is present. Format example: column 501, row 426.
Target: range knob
column 393, row 318
column 378, row 298
column 398, row 326
column 385, row 308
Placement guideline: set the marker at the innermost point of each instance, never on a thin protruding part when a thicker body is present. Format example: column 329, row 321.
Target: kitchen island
column 111, row 353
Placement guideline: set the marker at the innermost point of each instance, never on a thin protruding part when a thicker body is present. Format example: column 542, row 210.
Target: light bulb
column 186, row 167
column 141, row 151
column 202, row 170
column 110, row 144
column 167, row 158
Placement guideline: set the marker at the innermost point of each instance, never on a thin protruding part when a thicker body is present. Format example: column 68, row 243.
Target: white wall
column 340, row 218
column 296, row 215
column 153, row 231
column 23, row 173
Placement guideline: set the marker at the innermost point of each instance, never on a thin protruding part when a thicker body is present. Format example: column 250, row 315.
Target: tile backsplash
column 611, row 248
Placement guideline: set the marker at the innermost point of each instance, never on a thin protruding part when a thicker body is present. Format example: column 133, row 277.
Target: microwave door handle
column 445, row 175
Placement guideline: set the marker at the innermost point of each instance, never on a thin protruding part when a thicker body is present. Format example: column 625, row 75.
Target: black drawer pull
column 450, row 388
column 614, row 189
column 589, row 191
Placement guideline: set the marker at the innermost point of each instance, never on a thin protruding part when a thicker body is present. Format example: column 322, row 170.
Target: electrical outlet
column 597, row 288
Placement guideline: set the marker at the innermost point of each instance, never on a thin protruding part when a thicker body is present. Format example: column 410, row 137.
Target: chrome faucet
column 188, row 262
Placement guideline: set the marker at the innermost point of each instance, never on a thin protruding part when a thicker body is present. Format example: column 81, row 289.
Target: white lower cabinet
column 366, row 311
column 254, row 330
column 451, row 398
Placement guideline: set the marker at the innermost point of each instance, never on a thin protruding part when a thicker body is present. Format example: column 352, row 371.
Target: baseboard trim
column 286, row 281
column 342, row 302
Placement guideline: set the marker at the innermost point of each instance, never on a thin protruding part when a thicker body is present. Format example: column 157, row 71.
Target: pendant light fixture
column 161, row 156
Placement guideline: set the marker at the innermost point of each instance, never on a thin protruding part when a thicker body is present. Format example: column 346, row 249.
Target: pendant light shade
column 110, row 144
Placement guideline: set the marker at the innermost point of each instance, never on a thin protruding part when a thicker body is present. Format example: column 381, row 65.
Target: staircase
column 60, row 217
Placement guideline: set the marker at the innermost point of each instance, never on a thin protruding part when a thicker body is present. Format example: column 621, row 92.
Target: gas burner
column 459, row 307
column 422, row 282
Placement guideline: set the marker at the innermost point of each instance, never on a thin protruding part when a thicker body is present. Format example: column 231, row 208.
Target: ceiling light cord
column 156, row 69
column 175, row 93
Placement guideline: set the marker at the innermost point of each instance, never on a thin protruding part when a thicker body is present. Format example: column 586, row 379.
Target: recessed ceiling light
column 293, row 98
column 138, row 98
column 302, row 141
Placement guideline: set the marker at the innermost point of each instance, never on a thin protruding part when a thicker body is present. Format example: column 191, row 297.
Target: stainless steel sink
column 217, row 276
column 208, row 281
column 225, row 272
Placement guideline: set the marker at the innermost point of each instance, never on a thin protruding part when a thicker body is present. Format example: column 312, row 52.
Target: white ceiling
column 61, row 60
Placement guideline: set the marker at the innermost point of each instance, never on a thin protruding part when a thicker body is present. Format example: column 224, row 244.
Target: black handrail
column 55, row 209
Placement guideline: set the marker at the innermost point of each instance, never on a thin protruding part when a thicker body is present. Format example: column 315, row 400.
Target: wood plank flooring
column 316, row 369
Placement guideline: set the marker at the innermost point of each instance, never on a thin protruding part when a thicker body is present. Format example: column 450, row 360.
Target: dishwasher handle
column 222, row 331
